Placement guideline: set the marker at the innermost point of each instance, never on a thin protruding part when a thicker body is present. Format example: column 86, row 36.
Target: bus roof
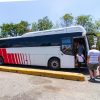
column 71, row 29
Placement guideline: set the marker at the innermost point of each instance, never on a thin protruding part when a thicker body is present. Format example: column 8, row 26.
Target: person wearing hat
column 93, row 60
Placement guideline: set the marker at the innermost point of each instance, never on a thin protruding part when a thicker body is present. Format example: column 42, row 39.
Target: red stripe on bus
column 11, row 61
column 0, row 52
column 19, row 58
column 16, row 59
column 13, row 58
column 9, row 58
column 4, row 55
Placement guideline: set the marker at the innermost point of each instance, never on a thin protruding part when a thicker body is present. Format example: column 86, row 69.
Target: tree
column 97, row 24
column 34, row 26
column 7, row 30
column 14, row 29
column 22, row 27
column 98, row 43
column 87, row 22
column 44, row 24
column 67, row 20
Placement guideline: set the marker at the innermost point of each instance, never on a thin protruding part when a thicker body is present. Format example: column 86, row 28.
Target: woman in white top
column 80, row 59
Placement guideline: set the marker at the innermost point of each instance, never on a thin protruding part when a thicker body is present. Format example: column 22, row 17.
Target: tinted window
column 4, row 43
column 67, row 46
column 46, row 40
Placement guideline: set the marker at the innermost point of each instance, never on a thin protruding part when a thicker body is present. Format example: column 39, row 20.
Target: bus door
column 67, row 57
column 81, row 40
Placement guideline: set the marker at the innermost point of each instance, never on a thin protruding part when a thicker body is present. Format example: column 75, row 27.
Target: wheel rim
column 54, row 64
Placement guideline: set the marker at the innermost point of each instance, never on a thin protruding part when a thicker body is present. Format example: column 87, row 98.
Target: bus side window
column 66, row 47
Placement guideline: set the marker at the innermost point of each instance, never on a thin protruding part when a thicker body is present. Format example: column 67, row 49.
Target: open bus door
column 82, row 41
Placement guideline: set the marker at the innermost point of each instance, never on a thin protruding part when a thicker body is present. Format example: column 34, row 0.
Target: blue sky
column 32, row 10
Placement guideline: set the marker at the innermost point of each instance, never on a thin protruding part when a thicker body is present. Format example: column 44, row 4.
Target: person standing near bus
column 80, row 48
column 80, row 56
column 80, row 59
column 93, row 60
column 99, row 70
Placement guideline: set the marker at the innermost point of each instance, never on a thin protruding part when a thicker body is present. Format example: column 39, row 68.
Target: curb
column 45, row 73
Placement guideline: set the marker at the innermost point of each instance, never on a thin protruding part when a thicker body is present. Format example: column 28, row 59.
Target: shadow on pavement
column 96, row 81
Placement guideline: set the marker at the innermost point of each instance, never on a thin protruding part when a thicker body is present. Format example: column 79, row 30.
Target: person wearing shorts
column 93, row 61
column 93, row 66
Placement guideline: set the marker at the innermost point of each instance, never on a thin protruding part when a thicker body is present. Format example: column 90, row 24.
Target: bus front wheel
column 1, row 61
column 54, row 63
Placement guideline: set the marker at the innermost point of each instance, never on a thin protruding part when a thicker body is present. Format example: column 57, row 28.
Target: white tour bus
column 54, row 48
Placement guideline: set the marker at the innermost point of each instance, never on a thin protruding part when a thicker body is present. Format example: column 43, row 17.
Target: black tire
column 54, row 63
column 1, row 61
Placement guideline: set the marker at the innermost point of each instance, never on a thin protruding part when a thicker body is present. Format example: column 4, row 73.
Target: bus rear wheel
column 54, row 63
column 1, row 61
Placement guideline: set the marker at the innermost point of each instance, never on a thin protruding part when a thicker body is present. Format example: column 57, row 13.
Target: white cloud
column 13, row 0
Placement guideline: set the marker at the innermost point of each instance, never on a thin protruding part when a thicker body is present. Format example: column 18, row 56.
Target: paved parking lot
column 15, row 86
